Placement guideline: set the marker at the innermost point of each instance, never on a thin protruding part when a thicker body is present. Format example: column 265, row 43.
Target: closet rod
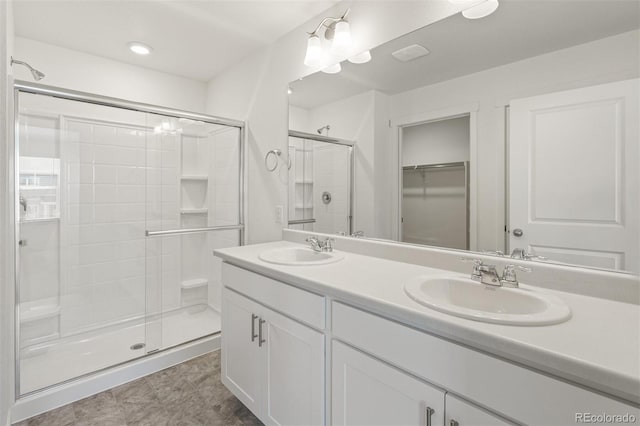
column 435, row 166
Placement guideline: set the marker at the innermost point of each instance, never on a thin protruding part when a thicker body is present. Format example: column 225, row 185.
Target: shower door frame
column 20, row 86
column 336, row 141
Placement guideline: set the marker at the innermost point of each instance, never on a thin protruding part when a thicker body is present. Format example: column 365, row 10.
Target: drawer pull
column 253, row 327
column 260, row 339
column 429, row 413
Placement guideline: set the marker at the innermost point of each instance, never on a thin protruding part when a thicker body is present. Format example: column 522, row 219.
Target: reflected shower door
column 320, row 186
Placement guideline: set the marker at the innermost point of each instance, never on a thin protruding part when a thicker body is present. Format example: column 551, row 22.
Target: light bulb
column 481, row 10
column 313, row 58
column 139, row 48
column 341, row 38
column 333, row 69
column 361, row 58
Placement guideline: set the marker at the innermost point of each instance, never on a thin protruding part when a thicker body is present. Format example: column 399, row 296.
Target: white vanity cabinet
column 366, row 391
column 272, row 363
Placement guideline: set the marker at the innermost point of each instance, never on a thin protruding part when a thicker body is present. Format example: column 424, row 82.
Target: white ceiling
column 519, row 29
column 195, row 39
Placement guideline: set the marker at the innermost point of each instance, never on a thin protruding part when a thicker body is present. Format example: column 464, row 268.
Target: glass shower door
column 193, row 207
column 81, row 280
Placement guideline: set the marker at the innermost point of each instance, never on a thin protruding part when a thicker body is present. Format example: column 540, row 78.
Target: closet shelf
column 194, row 211
column 194, row 283
column 195, row 177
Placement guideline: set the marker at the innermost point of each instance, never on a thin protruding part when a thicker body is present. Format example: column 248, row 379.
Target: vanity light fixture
column 332, row 69
column 361, row 58
column 481, row 10
column 478, row 8
column 337, row 31
column 139, row 48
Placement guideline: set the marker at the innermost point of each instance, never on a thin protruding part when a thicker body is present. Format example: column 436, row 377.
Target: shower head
column 37, row 75
column 328, row 127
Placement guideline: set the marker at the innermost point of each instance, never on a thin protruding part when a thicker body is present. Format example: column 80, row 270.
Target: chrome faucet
column 489, row 275
column 321, row 246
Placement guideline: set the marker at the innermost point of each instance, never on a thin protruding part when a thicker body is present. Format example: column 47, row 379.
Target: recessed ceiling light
column 139, row 48
column 410, row 53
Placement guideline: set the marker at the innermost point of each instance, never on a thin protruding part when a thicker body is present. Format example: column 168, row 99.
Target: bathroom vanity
column 341, row 342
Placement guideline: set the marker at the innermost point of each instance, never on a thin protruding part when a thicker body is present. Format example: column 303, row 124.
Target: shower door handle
column 253, row 327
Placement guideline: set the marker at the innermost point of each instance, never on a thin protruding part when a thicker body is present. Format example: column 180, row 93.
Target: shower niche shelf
column 194, row 283
column 194, row 211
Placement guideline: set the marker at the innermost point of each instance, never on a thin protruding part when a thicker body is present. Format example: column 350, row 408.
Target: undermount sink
column 301, row 256
column 466, row 298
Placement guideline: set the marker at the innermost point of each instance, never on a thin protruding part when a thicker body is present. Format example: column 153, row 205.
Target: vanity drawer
column 516, row 392
column 296, row 303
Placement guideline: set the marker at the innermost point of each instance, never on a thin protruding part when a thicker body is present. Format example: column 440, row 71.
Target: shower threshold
column 44, row 365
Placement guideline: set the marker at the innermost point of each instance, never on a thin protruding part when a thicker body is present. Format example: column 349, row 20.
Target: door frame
column 398, row 124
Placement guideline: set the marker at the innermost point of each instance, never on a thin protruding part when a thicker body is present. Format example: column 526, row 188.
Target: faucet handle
column 328, row 244
column 509, row 274
column 477, row 264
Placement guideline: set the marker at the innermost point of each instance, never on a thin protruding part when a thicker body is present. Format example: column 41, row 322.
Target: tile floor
column 186, row 394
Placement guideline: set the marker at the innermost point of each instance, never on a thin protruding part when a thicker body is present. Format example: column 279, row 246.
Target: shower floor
column 47, row 364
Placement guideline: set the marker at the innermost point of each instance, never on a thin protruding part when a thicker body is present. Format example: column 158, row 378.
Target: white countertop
column 599, row 347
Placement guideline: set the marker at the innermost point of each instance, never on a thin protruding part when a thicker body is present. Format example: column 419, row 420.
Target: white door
column 573, row 170
column 294, row 374
column 462, row 413
column 366, row 391
column 242, row 366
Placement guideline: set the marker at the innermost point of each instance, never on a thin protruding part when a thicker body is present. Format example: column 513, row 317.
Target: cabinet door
column 294, row 381
column 367, row 391
column 242, row 366
column 461, row 413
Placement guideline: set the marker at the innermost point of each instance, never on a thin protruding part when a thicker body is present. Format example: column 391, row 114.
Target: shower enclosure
column 118, row 208
column 320, row 183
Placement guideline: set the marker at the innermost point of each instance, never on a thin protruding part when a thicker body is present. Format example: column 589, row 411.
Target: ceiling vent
column 410, row 53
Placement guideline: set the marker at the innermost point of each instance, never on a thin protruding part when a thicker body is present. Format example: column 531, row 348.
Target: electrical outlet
column 279, row 214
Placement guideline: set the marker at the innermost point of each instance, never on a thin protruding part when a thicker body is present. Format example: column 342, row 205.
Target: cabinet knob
column 429, row 414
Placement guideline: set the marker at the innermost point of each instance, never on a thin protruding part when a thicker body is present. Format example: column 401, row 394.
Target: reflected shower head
column 322, row 128
column 37, row 75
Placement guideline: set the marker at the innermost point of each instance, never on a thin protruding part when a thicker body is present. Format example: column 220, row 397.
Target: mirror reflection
column 515, row 134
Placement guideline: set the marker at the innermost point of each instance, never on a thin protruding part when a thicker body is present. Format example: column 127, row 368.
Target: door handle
column 518, row 232
column 429, row 414
column 253, row 327
column 260, row 339
column 454, row 423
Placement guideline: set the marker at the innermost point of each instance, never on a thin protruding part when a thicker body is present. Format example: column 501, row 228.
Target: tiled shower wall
column 112, row 186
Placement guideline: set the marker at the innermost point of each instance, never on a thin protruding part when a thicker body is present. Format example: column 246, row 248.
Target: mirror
column 516, row 133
